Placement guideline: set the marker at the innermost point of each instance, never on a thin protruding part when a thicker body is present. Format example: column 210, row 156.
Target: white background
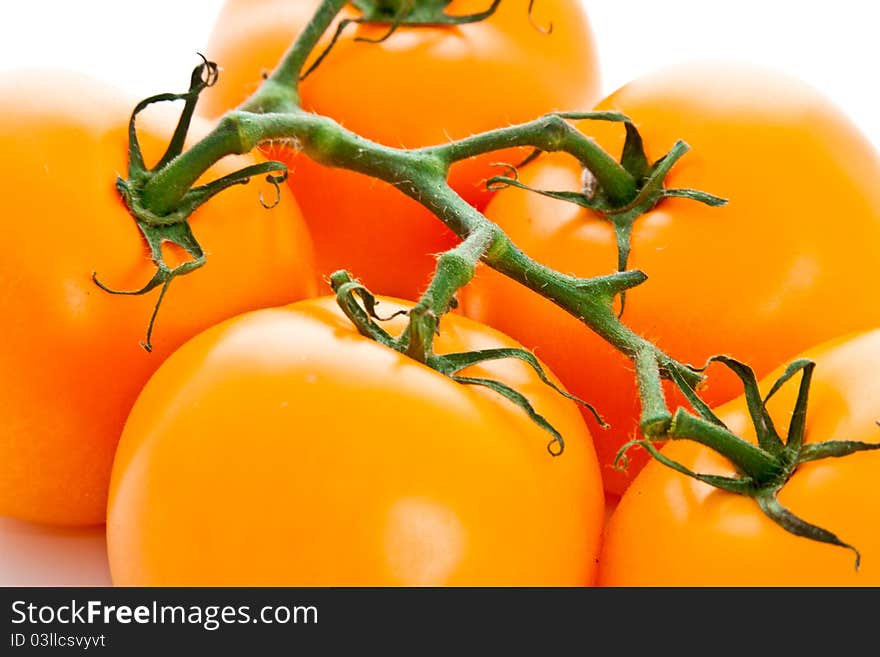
column 149, row 47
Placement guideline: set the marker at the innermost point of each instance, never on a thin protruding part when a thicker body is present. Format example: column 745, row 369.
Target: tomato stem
column 551, row 133
column 758, row 465
column 455, row 269
column 280, row 91
column 272, row 113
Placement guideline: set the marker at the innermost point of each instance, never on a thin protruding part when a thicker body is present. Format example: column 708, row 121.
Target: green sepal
column 359, row 305
column 556, row 446
column 157, row 235
column 695, row 195
column 769, row 466
column 761, row 466
column 450, row 364
column 694, row 399
column 650, row 194
column 768, row 437
column 578, row 198
column 766, row 497
column 791, row 523
column 797, row 426
column 834, row 449
column 633, row 158
column 791, row 370
column 173, row 227
column 739, row 485
column 203, row 76
column 411, row 13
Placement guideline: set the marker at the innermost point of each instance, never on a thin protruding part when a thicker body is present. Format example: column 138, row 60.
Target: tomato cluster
column 266, row 441
column 419, row 87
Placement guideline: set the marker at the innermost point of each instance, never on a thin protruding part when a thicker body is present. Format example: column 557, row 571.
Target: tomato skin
column 420, row 87
column 70, row 364
column 283, row 448
column 761, row 279
column 673, row 531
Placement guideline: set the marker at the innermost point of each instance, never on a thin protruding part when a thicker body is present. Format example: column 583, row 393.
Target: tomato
column 420, row 87
column 70, row 364
column 283, row 448
column 670, row 530
column 789, row 263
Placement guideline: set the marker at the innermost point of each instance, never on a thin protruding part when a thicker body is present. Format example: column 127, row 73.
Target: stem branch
column 655, row 413
column 551, row 133
column 761, row 466
column 455, row 269
column 280, row 91
column 421, row 174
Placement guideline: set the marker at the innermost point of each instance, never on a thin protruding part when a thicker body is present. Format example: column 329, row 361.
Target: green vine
column 162, row 198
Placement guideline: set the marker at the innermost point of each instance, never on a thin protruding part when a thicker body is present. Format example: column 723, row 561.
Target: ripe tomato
column 760, row 279
column 283, row 448
column 70, row 364
column 670, row 530
column 422, row 86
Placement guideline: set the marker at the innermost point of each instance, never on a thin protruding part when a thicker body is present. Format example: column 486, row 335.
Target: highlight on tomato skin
column 669, row 530
column 283, row 448
column 420, row 87
column 71, row 364
column 766, row 276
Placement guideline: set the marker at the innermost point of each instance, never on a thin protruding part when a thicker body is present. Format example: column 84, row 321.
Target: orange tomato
column 422, row 86
column 283, row 448
column 670, row 530
column 70, row 363
column 777, row 270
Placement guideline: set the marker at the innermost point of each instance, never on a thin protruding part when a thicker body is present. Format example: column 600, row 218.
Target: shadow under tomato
column 38, row 555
